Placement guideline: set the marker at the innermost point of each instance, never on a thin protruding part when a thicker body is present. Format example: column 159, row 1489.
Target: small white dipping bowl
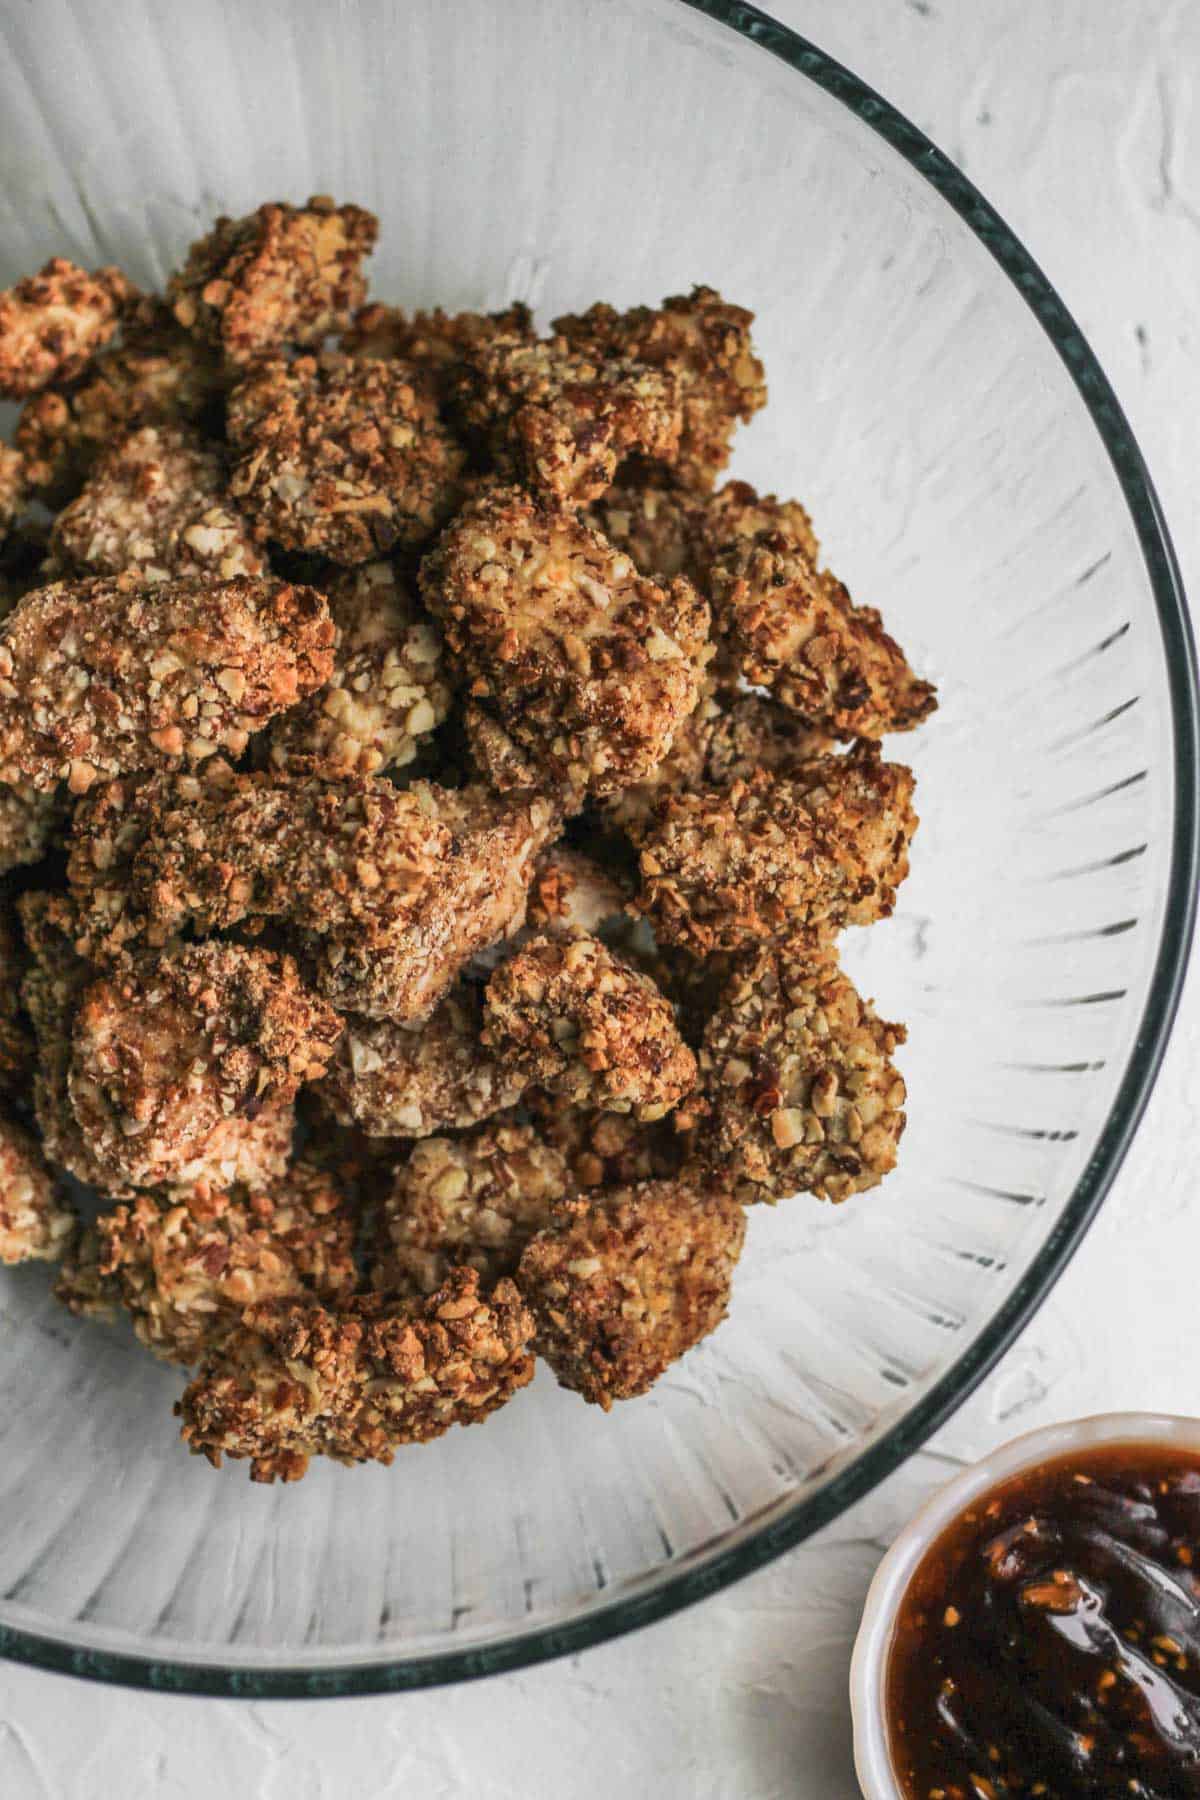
column 872, row 1647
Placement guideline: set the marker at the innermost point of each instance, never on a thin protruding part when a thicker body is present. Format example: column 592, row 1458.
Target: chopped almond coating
column 173, row 1060
column 52, row 324
column 572, row 1017
column 388, row 689
column 51, row 990
column 622, row 1285
column 773, row 856
column 30, row 822
column 437, row 341
column 737, row 513
column 704, row 343
column 797, row 1070
column 281, row 275
column 796, row 632
column 35, row 1220
column 470, row 1202
column 410, row 1080
column 342, row 457
column 606, row 1149
column 658, row 529
column 505, row 766
column 753, row 733
column 185, row 1272
column 561, row 419
column 680, row 771
column 589, row 667
column 13, row 487
column 155, row 505
column 105, row 675
column 158, row 374
column 572, row 893
column 302, row 1380
column 17, row 1055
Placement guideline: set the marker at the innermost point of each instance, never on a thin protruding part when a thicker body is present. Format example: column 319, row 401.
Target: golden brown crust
column 468, row 1202
column 797, row 1070
column 13, row 487
column 411, row 1080
column 589, row 667
column 35, row 1220
column 186, row 1272
column 389, row 686
column 301, row 1380
column 658, row 528
column 105, row 675
column 623, row 1285
column 53, row 983
column 606, row 1149
column 568, row 1014
column 434, row 340
column 559, row 419
column 572, row 892
column 776, row 856
column 751, row 733
column 737, row 513
column 52, row 324
column 174, row 1061
column 281, row 275
column 704, row 344
column 154, row 504
column 342, row 457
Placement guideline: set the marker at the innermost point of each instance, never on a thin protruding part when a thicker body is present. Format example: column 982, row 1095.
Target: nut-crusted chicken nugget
column 658, row 528
column 35, row 1221
column 749, row 732
column 606, row 1149
column 156, row 375
column 704, row 343
column 737, row 513
column 473, row 1202
column 561, row 419
column 411, row 1080
column 52, row 324
column 355, row 1383
column 108, row 674
column 797, row 1071
column 574, row 1018
column 174, row 1059
column 281, row 275
column 623, row 1284
column 777, row 855
column 155, row 505
column 51, row 988
column 389, row 686
column 589, row 667
column 572, row 892
column 342, row 457
column 13, row 487
column 795, row 631
column 186, row 1271
column 434, row 340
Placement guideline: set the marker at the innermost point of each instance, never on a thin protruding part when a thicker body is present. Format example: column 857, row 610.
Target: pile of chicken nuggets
column 430, row 804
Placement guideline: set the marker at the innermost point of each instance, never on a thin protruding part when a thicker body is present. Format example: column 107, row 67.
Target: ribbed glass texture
column 969, row 474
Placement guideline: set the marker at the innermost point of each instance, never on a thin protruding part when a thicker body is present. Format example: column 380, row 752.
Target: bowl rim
column 706, row 1573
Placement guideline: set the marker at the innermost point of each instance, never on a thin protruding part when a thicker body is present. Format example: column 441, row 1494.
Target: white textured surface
column 1081, row 121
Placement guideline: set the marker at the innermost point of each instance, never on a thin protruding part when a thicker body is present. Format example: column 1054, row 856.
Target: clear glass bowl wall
column 560, row 152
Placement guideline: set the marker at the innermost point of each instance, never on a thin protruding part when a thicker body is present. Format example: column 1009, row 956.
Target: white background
column 1080, row 119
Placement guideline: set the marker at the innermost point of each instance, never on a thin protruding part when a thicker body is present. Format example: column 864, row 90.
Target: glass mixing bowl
column 971, row 473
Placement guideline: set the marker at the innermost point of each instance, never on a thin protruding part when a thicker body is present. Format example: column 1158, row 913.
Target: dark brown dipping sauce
column 1049, row 1643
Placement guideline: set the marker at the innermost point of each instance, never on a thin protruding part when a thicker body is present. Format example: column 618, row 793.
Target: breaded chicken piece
column 704, row 343
column 571, row 892
column 156, row 375
column 411, row 1080
column 623, row 1284
column 389, row 686
column 391, row 891
column 35, row 1220
column 435, row 340
column 104, row 675
column 559, row 419
column 589, row 667
column 681, row 770
column 505, row 766
column 574, row 1018
column 749, row 733
column 738, row 513
column 51, row 989
column 281, row 275
column 17, row 1050
column 154, row 504
column 775, row 856
column 342, row 457
column 797, row 1071
column 355, row 1383
column 606, row 1149
column 31, row 820
column 13, row 488
column 186, row 1271
column 174, row 1059
column 53, row 323
column 469, row 1202
column 795, row 631
column 658, row 528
